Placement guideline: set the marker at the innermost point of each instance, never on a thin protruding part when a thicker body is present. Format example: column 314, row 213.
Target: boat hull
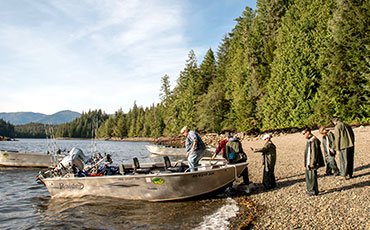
column 150, row 187
column 25, row 159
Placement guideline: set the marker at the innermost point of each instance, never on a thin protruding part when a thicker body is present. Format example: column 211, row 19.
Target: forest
column 287, row 64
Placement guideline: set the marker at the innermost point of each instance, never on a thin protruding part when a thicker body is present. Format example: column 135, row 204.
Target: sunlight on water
column 219, row 219
column 24, row 204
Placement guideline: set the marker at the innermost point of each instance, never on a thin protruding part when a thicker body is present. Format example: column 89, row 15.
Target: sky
column 102, row 54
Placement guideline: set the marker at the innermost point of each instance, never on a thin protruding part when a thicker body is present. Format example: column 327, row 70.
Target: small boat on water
column 163, row 181
column 11, row 158
column 162, row 150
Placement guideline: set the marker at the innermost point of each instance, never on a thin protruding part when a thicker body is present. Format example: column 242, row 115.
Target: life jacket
column 234, row 151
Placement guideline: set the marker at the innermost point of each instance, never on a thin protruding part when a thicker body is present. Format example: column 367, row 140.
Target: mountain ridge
column 20, row 118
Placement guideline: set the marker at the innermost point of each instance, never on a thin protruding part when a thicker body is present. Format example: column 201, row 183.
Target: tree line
column 287, row 64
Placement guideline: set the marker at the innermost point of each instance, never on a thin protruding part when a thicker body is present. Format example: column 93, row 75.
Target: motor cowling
column 75, row 158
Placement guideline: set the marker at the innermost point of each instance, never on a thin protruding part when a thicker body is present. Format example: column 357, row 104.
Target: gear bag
column 234, row 151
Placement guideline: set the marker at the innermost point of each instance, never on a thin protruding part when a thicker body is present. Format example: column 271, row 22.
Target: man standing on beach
column 345, row 146
column 269, row 159
column 313, row 160
column 195, row 147
column 329, row 150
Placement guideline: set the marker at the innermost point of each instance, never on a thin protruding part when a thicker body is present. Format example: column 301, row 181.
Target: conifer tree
column 237, row 72
column 297, row 67
column 345, row 88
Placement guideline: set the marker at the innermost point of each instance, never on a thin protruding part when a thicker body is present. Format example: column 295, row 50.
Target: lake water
column 25, row 204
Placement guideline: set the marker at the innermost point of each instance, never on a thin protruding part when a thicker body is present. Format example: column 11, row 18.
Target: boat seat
column 168, row 166
column 122, row 169
column 138, row 169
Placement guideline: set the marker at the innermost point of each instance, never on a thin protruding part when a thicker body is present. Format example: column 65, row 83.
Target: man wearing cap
column 345, row 146
column 269, row 159
column 329, row 150
column 195, row 147
column 313, row 160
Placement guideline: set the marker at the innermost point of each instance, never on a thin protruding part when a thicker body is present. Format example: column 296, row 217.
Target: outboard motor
column 75, row 158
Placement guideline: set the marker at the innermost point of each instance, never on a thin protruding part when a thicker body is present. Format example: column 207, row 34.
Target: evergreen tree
column 166, row 92
column 237, row 72
column 345, row 88
column 261, row 47
column 6, row 129
column 297, row 67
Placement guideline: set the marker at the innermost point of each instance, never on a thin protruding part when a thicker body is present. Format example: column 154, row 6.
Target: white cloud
column 93, row 54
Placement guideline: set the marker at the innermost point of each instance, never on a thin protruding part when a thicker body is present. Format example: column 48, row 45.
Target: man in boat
column 313, row 160
column 269, row 159
column 329, row 150
column 345, row 146
column 195, row 147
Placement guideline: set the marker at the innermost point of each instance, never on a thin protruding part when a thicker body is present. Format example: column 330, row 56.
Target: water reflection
column 110, row 213
column 24, row 204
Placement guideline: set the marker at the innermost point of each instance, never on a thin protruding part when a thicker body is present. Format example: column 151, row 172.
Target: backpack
column 234, row 151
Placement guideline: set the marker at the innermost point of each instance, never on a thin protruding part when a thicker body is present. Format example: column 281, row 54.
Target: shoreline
column 341, row 204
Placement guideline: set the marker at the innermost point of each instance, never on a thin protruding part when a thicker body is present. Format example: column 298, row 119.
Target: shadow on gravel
column 281, row 184
column 361, row 175
column 362, row 167
column 302, row 174
column 347, row 187
column 259, row 188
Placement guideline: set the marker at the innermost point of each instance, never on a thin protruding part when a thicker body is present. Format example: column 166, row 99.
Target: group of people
column 341, row 142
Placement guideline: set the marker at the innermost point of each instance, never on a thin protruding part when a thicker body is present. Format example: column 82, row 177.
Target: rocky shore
column 341, row 204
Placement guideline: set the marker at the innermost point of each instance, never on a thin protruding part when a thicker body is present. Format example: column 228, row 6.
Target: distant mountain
column 20, row 118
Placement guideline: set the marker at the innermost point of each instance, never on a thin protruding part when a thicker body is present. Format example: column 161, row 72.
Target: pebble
column 341, row 204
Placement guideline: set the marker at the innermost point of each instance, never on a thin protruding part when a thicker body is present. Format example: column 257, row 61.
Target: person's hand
column 187, row 155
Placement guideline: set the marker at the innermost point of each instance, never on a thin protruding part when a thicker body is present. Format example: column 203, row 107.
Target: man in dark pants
column 345, row 146
column 235, row 154
column 329, row 150
column 313, row 161
column 269, row 159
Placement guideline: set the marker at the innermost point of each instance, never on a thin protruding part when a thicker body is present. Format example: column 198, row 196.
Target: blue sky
column 102, row 54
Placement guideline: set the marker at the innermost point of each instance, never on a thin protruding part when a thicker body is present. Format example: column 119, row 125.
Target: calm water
column 25, row 204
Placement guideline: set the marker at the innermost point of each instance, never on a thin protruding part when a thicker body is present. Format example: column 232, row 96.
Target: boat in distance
column 160, row 181
column 163, row 150
column 10, row 158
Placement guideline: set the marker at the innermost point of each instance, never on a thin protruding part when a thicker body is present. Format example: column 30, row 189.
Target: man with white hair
column 195, row 147
column 345, row 146
column 269, row 159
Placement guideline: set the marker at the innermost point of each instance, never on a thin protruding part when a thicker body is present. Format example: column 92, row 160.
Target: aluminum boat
column 160, row 181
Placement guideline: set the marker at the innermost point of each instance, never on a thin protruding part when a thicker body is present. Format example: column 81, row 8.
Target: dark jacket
column 234, row 151
column 313, row 155
column 328, row 142
column 344, row 136
column 269, row 155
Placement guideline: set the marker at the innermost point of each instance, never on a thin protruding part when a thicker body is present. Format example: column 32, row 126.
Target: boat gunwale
column 162, row 174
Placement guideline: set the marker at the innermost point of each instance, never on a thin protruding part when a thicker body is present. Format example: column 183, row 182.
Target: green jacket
column 234, row 151
column 328, row 141
column 344, row 136
column 269, row 155
column 313, row 154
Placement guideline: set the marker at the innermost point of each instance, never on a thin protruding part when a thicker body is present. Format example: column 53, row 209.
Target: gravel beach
column 341, row 204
